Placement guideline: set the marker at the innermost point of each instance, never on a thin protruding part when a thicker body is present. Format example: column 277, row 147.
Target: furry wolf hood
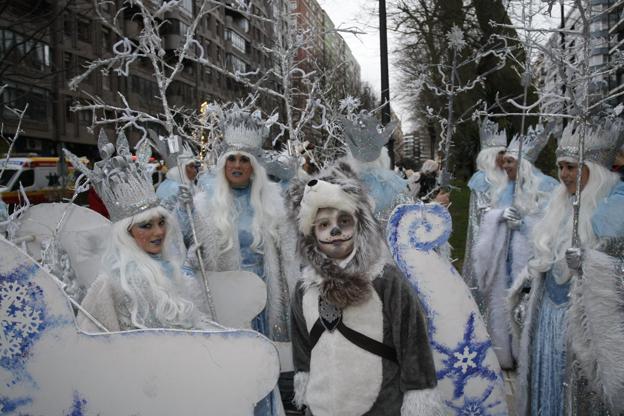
column 338, row 187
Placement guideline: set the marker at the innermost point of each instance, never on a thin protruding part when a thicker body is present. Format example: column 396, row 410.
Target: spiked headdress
column 532, row 143
column 124, row 184
column 365, row 136
column 602, row 142
column 491, row 136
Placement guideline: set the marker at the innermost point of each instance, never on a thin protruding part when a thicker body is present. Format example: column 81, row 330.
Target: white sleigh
column 49, row 367
column 469, row 376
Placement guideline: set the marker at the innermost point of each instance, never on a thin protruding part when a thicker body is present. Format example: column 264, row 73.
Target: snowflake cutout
column 465, row 359
column 456, row 38
column 455, row 366
column 476, row 406
column 22, row 314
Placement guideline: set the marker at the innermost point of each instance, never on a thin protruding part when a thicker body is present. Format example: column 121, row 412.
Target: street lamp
column 385, row 84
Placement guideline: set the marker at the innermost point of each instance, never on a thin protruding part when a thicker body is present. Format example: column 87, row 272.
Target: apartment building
column 43, row 44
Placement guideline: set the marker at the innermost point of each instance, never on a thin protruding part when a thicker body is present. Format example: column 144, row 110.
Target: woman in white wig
column 576, row 294
column 142, row 283
column 503, row 246
column 241, row 223
column 488, row 177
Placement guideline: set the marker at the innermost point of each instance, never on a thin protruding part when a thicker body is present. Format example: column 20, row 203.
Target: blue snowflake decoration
column 22, row 315
column 465, row 360
column 9, row 405
column 78, row 406
column 476, row 406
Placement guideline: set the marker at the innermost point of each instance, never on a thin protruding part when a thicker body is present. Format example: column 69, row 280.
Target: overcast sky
column 363, row 15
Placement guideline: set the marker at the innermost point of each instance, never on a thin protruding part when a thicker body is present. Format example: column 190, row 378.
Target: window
column 181, row 89
column 68, row 65
column 18, row 95
column 68, row 25
column 26, row 178
column 85, row 117
column 174, row 27
column 7, row 175
column 24, row 49
column 235, row 63
column 81, row 67
column 106, row 42
column 237, row 40
column 69, row 115
column 83, row 29
column 143, row 87
column 188, row 5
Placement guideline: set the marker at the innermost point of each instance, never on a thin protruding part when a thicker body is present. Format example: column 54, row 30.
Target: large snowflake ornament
column 456, row 38
column 22, row 314
column 465, row 360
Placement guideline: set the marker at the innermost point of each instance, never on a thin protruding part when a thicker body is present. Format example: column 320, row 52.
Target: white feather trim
column 323, row 195
column 301, row 384
column 596, row 327
column 423, row 402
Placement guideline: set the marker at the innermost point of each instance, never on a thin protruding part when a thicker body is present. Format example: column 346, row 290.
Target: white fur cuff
column 301, row 383
column 423, row 402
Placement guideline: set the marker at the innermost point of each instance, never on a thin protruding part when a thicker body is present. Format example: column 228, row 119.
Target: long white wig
column 552, row 235
column 528, row 196
column 153, row 295
column 382, row 162
column 224, row 213
column 494, row 175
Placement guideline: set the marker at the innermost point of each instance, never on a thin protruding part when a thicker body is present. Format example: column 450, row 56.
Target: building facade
column 607, row 47
column 41, row 52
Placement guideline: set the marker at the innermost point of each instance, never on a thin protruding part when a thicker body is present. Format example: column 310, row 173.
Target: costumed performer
column 593, row 311
column 489, row 176
column 503, row 247
column 240, row 224
column 360, row 344
column 142, row 283
column 369, row 157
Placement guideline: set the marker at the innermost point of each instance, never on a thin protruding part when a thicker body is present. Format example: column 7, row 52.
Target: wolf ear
column 294, row 194
column 345, row 169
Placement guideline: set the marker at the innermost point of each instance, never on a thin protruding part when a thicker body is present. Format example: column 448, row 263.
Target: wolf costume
column 360, row 344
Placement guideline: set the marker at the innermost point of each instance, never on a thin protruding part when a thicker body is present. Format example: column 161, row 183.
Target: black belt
column 357, row 338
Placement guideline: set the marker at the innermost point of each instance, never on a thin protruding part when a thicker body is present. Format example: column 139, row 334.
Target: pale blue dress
column 548, row 338
column 252, row 261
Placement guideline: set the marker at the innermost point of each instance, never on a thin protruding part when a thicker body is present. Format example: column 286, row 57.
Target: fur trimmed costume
column 497, row 265
column 573, row 329
column 370, row 355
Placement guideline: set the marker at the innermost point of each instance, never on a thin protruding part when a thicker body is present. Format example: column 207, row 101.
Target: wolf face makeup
column 335, row 232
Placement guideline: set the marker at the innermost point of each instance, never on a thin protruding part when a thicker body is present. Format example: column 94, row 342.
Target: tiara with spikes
column 365, row 136
column 124, row 185
column 491, row 136
column 279, row 164
column 602, row 142
column 243, row 130
column 172, row 149
column 533, row 142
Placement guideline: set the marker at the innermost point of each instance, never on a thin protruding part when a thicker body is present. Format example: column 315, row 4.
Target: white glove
column 513, row 218
column 574, row 258
column 192, row 254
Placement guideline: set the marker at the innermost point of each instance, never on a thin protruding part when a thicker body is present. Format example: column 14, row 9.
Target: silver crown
column 172, row 149
column 533, row 142
column 365, row 136
column 243, row 130
column 602, row 142
column 491, row 136
column 280, row 165
column 125, row 185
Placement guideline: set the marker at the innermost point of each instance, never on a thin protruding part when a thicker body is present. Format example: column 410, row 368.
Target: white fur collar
column 311, row 278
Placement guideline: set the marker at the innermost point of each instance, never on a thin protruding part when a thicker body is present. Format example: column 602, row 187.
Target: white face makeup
column 335, row 232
